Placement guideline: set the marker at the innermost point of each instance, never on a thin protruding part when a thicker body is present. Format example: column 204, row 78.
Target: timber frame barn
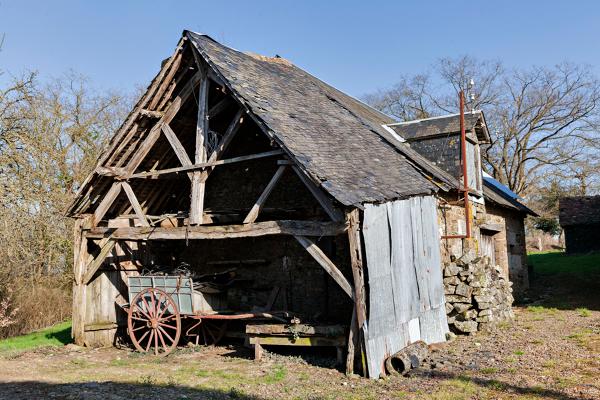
column 233, row 160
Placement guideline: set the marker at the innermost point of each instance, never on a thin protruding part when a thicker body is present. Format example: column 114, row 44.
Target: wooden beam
column 80, row 255
column 326, row 263
column 135, row 204
column 219, row 107
column 255, row 210
column 107, row 201
column 284, row 227
column 93, row 266
column 168, row 116
column 232, row 129
column 360, row 307
column 149, row 174
column 152, row 114
column 198, row 185
column 323, row 200
column 177, row 147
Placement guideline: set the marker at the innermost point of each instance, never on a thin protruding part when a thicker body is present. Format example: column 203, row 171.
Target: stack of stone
column 478, row 295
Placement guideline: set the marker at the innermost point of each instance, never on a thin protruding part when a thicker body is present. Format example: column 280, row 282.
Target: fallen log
column 409, row 357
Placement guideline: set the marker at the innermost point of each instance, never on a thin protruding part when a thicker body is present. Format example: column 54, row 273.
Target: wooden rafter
column 200, row 166
column 154, row 133
column 251, row 217
column 107, row 201
column 219, row 107
column 326, row 263
column 285, row 227
column 135, row 204
column 177, row 147
column 323, row 200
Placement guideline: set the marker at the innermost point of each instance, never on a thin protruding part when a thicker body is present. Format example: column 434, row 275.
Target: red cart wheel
column 207, row 332
column 154, row 322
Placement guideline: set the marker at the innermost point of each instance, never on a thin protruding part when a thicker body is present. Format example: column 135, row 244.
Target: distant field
column 558, row 262
column 57, row 335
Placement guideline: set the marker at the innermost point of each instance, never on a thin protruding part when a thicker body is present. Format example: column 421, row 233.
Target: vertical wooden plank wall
column 406, row 292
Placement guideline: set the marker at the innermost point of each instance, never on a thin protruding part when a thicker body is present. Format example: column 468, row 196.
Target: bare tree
column 542, row 120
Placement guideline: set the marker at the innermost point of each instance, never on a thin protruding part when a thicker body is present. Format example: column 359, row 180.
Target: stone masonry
column 478, row 295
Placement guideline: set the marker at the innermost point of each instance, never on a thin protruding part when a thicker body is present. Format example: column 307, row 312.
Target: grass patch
column 542, row 310
column 489, row 370
column 57, row 335
column 277, row 374
column 583, row 312
column 518, row 352
column 557, row 262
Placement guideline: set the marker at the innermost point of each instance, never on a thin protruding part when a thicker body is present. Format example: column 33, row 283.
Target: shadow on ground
column 507, row 388
column 63, row 336
column 111, row 391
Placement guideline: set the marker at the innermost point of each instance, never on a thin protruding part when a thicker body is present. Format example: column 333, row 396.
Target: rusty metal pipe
column 465, row 190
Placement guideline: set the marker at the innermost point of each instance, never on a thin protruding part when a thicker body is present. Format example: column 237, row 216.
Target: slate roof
column 579, row 210
column 337, row 139
column 422, row 128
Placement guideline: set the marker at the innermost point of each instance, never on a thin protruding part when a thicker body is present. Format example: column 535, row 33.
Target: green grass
column 57, row 335
column 557, row 262
column 583, row 312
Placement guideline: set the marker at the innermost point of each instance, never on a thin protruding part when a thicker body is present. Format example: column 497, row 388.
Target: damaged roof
column 443, row 125
column 500, row 194
column 339, row 141
column 579, row 210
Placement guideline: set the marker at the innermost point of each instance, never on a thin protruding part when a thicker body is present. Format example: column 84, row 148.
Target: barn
column 579, row 217
column 243, row 197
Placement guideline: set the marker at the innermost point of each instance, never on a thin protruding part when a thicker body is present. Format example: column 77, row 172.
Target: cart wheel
column 207, row 332
column 154, row 322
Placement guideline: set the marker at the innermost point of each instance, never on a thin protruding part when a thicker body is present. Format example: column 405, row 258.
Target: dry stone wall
column 478, row 295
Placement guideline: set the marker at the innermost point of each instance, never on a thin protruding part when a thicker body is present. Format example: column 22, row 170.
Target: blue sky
column 357, row 46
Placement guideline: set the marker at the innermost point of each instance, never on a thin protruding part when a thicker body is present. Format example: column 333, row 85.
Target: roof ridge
column 414, row 121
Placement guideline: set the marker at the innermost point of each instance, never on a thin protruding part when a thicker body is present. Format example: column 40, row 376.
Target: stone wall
column 478, row 295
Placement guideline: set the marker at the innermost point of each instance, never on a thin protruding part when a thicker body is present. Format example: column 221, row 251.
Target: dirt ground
column 551, row 350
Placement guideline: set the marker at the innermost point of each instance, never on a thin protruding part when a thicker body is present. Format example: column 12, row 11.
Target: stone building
column 580, row 219
column 483, row 271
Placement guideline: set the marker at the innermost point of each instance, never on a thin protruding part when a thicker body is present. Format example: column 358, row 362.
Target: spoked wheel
column 207, row 332
column 154, row 322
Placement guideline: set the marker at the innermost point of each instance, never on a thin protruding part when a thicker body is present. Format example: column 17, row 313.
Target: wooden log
column 107, row 201
column 135, row 204
column 93, row 266
column 326, row 263
column 323, row 200
column 199, row 166
column 352, row 343
column 255, row 210
column 198, row 186
column 100, row 326
column 284, row 227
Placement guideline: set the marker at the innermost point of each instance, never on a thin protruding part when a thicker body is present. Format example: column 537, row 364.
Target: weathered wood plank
column 135, row 204
column 301, row 341
column 106, row 202
column 325, row 202
column 255, row 210
column 168, row 116
column 178, row 148
column 194, row 167
column 359, row 315
column 200, row 156
column 300, row 329
column 284, row 227
column 93, row 266
column 326, row 263
column 80, row 255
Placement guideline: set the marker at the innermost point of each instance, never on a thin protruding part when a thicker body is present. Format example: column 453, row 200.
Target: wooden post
column 197, row 203
column 360, row 307
column 80, row 257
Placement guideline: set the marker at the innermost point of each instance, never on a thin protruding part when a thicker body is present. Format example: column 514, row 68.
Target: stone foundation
column 478, row 295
